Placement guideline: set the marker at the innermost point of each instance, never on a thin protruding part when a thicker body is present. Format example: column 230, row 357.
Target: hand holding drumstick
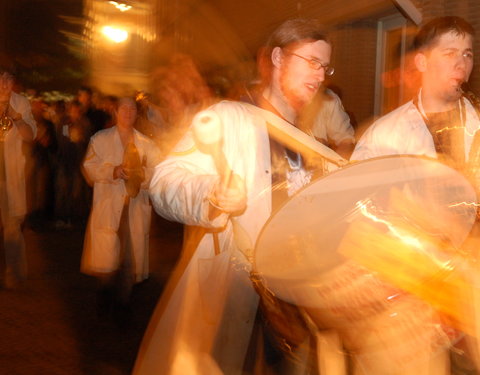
column 230, row 194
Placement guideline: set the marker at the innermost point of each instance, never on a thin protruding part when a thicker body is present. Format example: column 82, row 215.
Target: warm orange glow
column 450, row 128
column 116, row 35
column 421, row 263
column 393, row 230
column 467, row 204
column 121, row 7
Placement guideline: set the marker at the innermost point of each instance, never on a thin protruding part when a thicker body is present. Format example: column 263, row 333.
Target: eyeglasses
column 316, row 65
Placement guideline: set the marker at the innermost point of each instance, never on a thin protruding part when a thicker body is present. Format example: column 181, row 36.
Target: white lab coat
column 15, row 159
column 204, row 320
column 403, row 131
column 102, row 245
column 332, row 123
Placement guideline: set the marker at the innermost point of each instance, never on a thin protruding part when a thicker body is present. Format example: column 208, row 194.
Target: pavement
column 49, row 325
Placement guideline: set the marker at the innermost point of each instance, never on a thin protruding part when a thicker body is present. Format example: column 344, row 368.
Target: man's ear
column 277, row 56
column 421, row 62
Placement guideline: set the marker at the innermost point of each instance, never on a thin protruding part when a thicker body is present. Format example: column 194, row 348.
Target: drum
column 373, row 250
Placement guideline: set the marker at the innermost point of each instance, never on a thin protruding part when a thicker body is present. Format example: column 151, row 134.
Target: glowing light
column 115, row 34
column 406, row 239
column 450, row 128
column 121, row 7
column 468, row 204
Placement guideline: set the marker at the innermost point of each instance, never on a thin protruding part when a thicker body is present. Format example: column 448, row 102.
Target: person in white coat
column 331, row 123
column 17, row 126
column 439, row 122
column 204, row 320
column 117, row 236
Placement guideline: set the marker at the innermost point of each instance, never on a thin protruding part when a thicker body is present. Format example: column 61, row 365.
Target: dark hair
column 86, row 89
column 296, row 31
column 432, row 30
column 289, row 34
column 75, row 103
column 9, row 68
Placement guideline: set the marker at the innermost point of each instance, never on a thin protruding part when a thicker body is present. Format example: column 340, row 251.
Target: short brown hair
column 432, row 30
column 287, row 35
column 296, row 31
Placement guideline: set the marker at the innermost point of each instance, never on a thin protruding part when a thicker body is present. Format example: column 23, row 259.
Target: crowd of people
column 223, row 168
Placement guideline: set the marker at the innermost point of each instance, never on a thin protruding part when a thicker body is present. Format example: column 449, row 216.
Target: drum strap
column 447, row 130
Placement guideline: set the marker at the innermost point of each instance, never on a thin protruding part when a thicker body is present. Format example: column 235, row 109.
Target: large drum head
column 299, row 245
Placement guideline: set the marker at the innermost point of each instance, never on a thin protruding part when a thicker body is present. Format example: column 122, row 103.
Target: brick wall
column 355, row 53
column 354, row 59
column 468, row 9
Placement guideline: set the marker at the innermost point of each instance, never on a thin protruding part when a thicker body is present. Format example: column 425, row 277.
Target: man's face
column 299, row 81
column 127, row 111
column 447, row 65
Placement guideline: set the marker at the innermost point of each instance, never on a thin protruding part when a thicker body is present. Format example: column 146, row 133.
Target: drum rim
column 341, row 170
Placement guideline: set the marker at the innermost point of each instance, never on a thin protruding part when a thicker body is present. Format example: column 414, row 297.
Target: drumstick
column 208, row 135
column 296, row 139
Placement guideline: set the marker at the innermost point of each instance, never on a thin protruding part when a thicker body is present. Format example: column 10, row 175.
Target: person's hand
column 120, row 172
column 230, row 196
column 139, row 172
column 14, row 115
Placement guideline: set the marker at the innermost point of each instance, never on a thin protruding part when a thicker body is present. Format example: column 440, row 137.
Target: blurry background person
column 18, row 125
column 330, row 123
column 72, row 193
column 109, row 106
column 42, row 159
column 97, row 117
column 119, row 163
column 150, row 121
column 180, row 92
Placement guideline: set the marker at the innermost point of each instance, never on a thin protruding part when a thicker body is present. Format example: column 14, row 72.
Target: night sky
column 36, row 39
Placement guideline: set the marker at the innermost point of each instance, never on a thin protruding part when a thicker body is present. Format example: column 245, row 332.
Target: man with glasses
column 330, row 123
column 16, row 126
column 205, row 318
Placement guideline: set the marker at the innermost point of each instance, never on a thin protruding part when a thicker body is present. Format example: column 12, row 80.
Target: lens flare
column 115, row 34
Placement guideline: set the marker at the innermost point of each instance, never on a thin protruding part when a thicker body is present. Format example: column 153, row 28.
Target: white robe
column 204, row 320
column 15, row 159
column 102, row 245
column 403, row 131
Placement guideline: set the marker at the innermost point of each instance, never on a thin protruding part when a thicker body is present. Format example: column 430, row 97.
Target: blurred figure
column 109, row 106
column 224, row 195
column 119, row 164
column 97, row 117
column 439, row 122
column 324, row 117
column 43, row 152
column 180, row 91
column 149, row 121
column 17, row 126
column 329, row 123
column 58, row 114
column 72, row 193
